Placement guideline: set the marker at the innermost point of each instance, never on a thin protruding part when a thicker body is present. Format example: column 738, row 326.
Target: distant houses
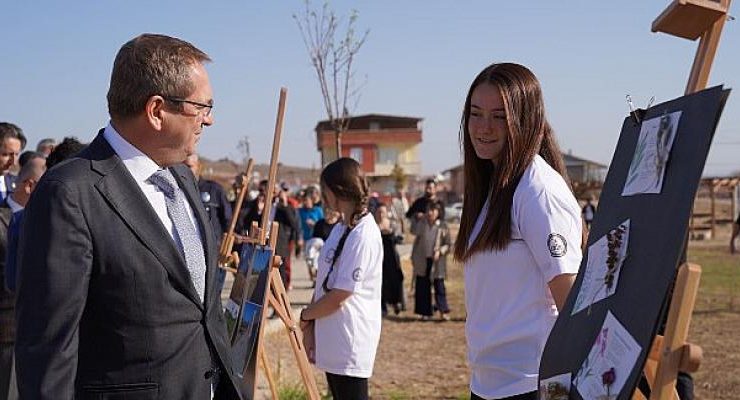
column 385, row 145
column 585, row 176
column 379, row 143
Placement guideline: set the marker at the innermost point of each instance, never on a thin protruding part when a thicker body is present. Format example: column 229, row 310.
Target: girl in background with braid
column 341, row 326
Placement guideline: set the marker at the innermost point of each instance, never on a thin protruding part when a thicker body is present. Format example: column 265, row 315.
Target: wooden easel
column 275, row 295
column 228, row 259
column 669, row 354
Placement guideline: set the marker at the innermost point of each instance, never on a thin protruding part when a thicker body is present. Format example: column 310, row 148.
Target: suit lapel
column 118, row 187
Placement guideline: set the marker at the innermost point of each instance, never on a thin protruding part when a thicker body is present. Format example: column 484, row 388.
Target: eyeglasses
column 204, row 109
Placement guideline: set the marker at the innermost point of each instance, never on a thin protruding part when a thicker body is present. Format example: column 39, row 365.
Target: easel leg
column 676, row 332
column 268, row 374
column 295, row 336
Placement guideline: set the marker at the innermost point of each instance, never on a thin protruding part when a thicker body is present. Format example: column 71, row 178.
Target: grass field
column 427, row 360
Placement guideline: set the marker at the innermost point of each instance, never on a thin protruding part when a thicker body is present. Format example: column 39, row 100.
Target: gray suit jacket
column 106, row 308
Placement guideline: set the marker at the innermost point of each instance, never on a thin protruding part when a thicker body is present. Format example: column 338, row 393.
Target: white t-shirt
column 346, row 341
column 507, row 298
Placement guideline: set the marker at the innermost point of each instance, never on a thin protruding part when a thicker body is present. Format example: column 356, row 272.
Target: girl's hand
column 309, row 341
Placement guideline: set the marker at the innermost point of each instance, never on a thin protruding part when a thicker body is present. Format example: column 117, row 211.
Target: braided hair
column 345, row 180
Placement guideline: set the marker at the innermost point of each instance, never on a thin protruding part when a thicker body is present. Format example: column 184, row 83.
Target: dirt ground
column 428, row 359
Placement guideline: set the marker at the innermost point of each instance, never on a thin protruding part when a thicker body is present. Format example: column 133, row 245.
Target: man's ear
column 154, row 109
column 28, row 185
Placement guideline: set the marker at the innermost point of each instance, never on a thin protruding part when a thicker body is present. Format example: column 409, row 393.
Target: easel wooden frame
column 275, row 295
column 228, row 259
column 671, row 353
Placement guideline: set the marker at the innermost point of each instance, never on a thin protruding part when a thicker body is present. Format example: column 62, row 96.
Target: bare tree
column 332, row 55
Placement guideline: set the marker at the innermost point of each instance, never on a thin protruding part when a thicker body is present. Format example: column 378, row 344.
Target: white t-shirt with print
column 507, row 298
column 346, row 340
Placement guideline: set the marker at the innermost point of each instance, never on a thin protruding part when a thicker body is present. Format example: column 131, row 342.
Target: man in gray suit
column 117, row 261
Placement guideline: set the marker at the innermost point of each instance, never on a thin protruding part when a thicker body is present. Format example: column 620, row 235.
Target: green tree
column 400, row 177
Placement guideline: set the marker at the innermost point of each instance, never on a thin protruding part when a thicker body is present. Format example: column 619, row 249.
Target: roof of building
column 571, row 159
column 367, row 118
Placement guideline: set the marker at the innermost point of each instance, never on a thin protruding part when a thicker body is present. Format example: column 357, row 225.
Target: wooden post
column 273, row 161
column 735, row 193
column 713, row 209
column 706, row 51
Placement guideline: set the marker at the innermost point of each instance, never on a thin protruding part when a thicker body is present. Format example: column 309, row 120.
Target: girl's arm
column 326, row 305
column 445, row 241
column 560, row 287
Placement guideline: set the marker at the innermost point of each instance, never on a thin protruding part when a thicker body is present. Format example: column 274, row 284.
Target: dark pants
column 8, row 388
column 423, row 294
column 523, row 396
column 347, row 387
column 440, row 296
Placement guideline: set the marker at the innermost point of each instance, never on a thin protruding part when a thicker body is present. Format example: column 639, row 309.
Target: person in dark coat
column 116, row 257
column 392, row 292
column 282, row 213
column 419, row 206
column 217, row 207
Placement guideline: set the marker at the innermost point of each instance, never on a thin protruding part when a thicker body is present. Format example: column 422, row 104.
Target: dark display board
column 601, row 339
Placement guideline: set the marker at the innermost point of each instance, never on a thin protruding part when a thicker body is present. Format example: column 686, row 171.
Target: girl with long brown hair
column 342, row 324
column 520, row 231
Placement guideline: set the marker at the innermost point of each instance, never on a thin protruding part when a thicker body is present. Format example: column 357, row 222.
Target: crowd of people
column 109, row 249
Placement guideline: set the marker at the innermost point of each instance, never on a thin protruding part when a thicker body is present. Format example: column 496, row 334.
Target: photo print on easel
column 651, row 155
column 247, row 299
column 555, row 388
column 605, row 260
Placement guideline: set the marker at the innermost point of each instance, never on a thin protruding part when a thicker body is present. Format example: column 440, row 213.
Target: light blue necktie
column 186, row 236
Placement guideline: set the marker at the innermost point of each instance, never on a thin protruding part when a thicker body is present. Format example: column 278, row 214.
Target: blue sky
column 418, row 61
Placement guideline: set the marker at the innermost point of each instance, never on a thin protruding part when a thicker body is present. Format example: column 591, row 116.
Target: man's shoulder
column 73, row 171
column 209, row 185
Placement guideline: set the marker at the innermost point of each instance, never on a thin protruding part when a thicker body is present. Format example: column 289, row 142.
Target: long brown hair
column 528, row 134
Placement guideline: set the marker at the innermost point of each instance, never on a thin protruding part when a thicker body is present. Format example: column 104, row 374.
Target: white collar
column 14, row 206
column 139, row 164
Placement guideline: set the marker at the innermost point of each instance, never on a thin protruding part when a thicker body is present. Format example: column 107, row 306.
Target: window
column 387, row 155
column 356, row 153
column 375, row 126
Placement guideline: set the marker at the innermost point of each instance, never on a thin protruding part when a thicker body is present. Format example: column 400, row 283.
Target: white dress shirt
column 141, row 167
column 3, row 188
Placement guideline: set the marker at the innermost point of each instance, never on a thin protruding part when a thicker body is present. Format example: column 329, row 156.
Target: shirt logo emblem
column 557, row 245
column 329, row 256
column 356, row 275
